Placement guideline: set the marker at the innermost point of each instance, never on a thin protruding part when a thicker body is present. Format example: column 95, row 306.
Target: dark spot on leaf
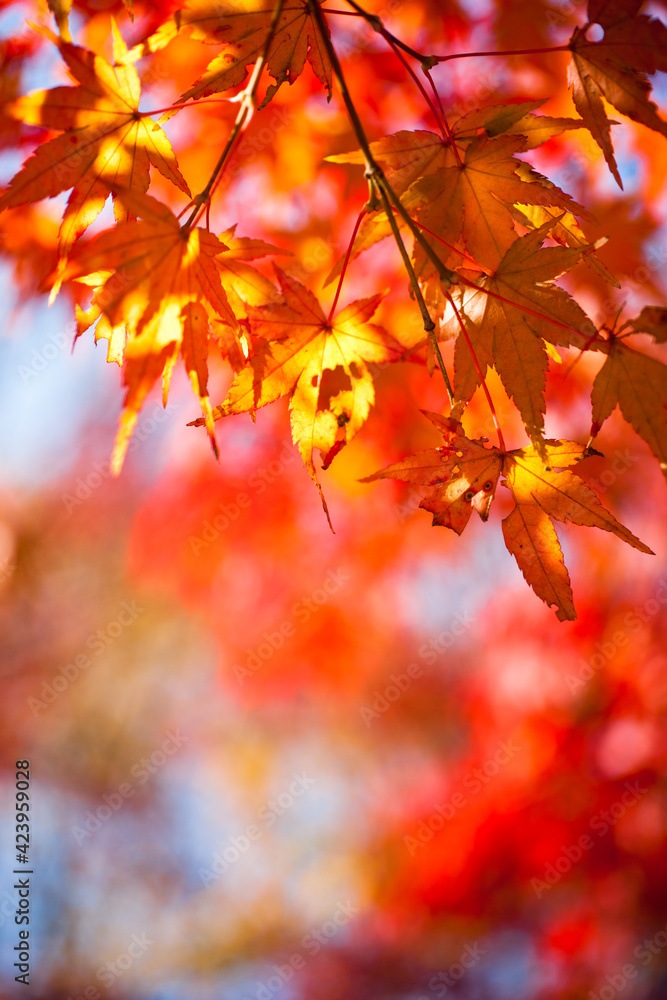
column 332, row 382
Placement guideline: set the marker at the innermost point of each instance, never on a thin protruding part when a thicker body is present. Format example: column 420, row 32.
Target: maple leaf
column 116, row 337
column 107, row 141
column 458, row 477
column 513, row 119
column 565, row 230
column 508, row 332
column 462, row 475
column 13, row 53
column 61, row 10
column 472, row 201
column 638, row 385
column 543, row 495
column 409, row 159
column 241, row 26
column 244, row 285
column 615, row 68
column 161, row 282
column 320, row 364
column 405, row 156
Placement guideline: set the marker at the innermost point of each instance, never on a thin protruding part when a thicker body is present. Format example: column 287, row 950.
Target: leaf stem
column 187, row 104
column 432, row 60
column 461, row 253
column 494, row 417
column 377, row 25
column 388, row 196
column 427, row 62
column 501, row 52
column 437, row 115
column 450, row 136
column 246, row 110
column 396, row 44
column 360, row 217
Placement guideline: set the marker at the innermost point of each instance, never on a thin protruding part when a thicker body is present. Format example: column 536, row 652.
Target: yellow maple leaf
column 161, row 282
column 320, row 363
column 513, row 119
column 106, row 140
column 543, row 495
column 566, row 230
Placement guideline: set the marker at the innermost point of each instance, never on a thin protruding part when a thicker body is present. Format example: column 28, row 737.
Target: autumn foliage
column 324, row 244
column 482, row 235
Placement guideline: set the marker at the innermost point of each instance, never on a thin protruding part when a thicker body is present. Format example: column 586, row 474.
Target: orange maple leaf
column 244, row 285
column 482, row 183
column 106, row 140
column 458, row 477
column 472, row 201
column 615, row 68
column 636, row 383
column 241, row 26
column 462, row 476
column 511, row 330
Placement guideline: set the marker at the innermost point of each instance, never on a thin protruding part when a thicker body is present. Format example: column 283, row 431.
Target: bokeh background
column 269, row 762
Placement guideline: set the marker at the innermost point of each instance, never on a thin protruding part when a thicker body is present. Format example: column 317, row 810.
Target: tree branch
column 246, row 111
column 388, row 196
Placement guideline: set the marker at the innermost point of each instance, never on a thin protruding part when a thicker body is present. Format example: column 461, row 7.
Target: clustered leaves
column 490, row 236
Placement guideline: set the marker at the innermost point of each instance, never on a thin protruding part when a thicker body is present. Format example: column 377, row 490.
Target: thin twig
column 377, row 25
column 429, row 325
column 388, row 197
column 373, row 170
column 501, row 52
column 246, row 110
column 440, row 120
column 432, row 60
